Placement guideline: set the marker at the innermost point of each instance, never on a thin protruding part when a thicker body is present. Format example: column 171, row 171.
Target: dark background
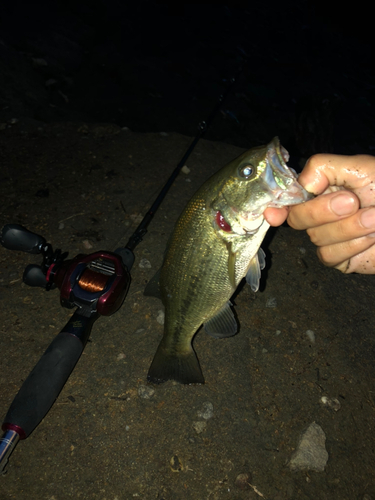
column 306, row 70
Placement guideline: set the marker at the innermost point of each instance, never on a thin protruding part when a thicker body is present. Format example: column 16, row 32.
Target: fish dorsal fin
column 223, row 324
column 256, row 265
column 153, row 286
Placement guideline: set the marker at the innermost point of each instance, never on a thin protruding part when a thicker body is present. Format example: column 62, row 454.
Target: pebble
column 207, row 411
column 61, row 225
column 160, row 317
column 331, row 403
column 311, row 335
column 199, row 426
column 271, row 302
column 311, row 453
column 185, row 169
column 144, row 264
column 86, row 244
column 145, row 391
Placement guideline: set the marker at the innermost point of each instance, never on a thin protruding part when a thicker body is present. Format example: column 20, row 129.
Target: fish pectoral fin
column 223, row 324
column 171, row 365
column 256, row 265
column 153, row 286
column 232, row 267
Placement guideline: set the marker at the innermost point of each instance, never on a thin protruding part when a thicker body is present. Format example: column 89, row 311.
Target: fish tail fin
column 167, row 365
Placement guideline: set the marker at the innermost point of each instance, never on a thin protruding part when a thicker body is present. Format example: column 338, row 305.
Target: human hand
column 340, row 223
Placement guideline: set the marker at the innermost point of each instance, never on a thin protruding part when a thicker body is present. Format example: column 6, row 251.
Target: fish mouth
column 281, row 180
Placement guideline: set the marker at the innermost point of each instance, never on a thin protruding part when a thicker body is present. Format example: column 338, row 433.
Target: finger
column 360, row 224
column 323, row 209
column 323, row 170
column 276, row 216
column 339, row 255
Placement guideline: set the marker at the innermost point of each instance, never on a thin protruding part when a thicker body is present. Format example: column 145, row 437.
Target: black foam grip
column 43, row 385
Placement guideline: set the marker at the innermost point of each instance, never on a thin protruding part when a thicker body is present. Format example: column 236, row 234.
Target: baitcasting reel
column 96, row 284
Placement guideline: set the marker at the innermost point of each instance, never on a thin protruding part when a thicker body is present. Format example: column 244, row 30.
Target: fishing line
column 141, row 230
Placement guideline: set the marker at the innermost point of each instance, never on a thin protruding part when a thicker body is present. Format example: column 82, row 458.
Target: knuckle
column 327, row 255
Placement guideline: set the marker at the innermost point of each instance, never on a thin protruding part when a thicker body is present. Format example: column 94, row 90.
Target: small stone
column 311, row 335
column 311, row 453
column 243, row 481
column 199, row 426
column 271, row 302
column 185, row 169
column 331, row 403
column 207, row 411
column 160, row 317
column 145, row 391
column 121, row 356
column 61, row 225
column 87, row 244
column 144, row 264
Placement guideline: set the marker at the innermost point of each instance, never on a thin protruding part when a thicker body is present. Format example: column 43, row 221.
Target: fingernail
column 342, row 204
column 368, row 218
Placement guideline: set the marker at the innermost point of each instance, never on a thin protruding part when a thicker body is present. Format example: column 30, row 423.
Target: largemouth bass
column 215, row 244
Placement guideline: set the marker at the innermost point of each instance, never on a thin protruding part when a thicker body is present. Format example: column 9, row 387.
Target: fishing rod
column 95, row 284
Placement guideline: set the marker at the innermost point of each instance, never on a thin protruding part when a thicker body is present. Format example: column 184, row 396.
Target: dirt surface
column 84, row 188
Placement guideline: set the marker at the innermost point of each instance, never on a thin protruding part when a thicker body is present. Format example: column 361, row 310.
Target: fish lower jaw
column 251, row 225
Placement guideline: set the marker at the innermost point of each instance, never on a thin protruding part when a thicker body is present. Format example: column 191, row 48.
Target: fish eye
column 247, row 171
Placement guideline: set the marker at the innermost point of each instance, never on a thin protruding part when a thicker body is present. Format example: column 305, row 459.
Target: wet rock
column 207, row 411
column 311, row 453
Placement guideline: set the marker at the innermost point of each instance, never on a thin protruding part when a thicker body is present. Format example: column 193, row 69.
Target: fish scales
column 214, row 245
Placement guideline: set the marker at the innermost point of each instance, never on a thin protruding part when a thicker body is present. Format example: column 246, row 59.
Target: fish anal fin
column 223, row 324
column 183, row 368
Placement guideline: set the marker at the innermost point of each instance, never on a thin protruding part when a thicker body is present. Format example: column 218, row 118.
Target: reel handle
column 17, row 237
